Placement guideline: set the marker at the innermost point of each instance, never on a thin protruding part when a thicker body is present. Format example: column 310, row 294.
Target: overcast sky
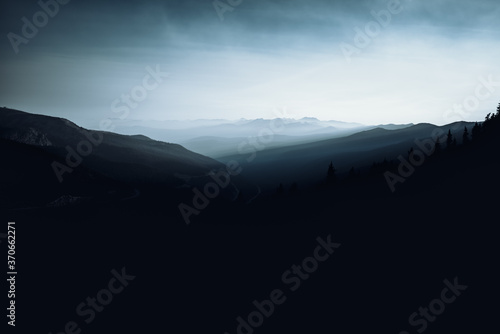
column 246, row 62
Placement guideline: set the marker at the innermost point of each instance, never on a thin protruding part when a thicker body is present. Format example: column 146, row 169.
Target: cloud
column 265, row 54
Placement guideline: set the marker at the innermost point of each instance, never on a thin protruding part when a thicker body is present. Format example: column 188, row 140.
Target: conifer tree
column 476, row 131
column 437, row 147
column 465, row 136
column 449, row 140
column 331, row 177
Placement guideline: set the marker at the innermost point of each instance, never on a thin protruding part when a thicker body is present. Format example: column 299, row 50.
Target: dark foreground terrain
column 371, row 260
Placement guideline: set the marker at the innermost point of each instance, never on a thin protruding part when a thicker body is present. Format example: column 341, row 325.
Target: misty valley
column 249, row 167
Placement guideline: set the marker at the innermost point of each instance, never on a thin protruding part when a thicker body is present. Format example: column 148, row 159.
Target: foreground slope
column 60, row 157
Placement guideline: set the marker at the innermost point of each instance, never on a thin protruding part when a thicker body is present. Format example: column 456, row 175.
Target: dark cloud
column 95, row 46
column 88, row 24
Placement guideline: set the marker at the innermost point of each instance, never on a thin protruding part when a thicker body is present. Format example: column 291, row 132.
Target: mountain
column 305, row 162
column 394, row 126
column 183, row 131
column 58, row 157
column 218, row 138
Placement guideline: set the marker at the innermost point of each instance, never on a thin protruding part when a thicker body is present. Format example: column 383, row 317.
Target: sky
column 370, row 62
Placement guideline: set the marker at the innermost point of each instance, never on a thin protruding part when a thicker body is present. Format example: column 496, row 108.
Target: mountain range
column 61, row 162
column 220, row 137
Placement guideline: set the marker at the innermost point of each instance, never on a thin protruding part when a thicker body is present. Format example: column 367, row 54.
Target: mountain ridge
column 57, row 155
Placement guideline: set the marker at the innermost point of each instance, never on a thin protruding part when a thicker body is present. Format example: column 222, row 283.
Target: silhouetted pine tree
column 487, row 122
column 331, row 176
column 491, row 126
column 437, row 147
column 465, row 136
column 449, row 140
column 476, row 131
column 280, row 189
column 352, row 173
